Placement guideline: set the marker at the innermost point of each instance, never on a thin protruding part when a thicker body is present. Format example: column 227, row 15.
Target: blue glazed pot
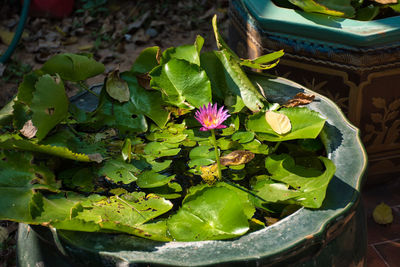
column 348, row 32
column 355, row 63
column 334, row 235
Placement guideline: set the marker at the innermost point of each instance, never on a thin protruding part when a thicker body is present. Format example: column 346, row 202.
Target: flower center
column 209, row 121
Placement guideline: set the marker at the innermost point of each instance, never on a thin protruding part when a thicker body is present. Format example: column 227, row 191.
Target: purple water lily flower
column 210, row 118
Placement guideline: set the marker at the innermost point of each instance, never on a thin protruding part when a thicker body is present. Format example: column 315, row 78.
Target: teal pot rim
column 287, row 238
column 325, row 28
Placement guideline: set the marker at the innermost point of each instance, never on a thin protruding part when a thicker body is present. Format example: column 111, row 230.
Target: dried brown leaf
column 385, row 2
column 237, row 157
column 300, row 99
column 144, row 80
column 29, row 130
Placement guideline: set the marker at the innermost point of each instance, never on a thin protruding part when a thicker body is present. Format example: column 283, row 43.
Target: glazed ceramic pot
column 355, row 63
column 334, row 235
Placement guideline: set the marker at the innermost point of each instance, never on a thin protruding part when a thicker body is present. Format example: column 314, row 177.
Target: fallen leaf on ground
column 383, row 214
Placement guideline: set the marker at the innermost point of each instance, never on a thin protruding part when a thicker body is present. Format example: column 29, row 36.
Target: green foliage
column 212, row 213
column 357, row 9
column 176, row 80
column 114, row 169
column 305, row 124
column 73, row 67
column 293, row 183
column 49, row 104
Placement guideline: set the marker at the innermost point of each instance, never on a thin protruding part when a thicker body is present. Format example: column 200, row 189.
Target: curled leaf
column 144, row 80
column 117, row 88
column 279, row 122
column 300, row 99
column 383, row 214
column 237, row 157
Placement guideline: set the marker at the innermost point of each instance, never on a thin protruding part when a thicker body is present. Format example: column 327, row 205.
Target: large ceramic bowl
column 334, row 235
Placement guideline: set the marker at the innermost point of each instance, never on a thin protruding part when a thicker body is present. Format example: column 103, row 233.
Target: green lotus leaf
column 158, row 166
column 182, row 83
column 83, row 179
column 243, row 137
column 119, row 171
column 212, row 213
column 225, row 143
column 20, row 182
column 158, row 149
column 122, row 116
column 7, row 112
column 202, row 152
column 49, row 104
column 256, row 147
column 189, row 53
column 128, row 210
column 127, row 213
column 16, row 142
column 27, row 87
column 263, row 62
column 306, row 123
column 216, row 73
column 238, row 82
column 168, row 191
column 146, row 102
column 310, row 184
column 146, row 61
column 233, row 124
column 73, row 67
column 150, row 179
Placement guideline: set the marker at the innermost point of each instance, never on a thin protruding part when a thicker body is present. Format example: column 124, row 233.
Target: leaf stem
column 84, row 86
column 243, row 189
column 72, row 129
column 276, row 146
column 214, row 141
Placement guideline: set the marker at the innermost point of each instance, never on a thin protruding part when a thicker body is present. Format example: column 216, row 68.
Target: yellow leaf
column 6, row 36
column 3, row 234
column 383, row 214
column 86, row 47
column 209, row 173
column 280, row 123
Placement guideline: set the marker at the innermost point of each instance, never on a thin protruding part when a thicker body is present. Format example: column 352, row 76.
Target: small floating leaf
column 280, row 123
column 237, row 157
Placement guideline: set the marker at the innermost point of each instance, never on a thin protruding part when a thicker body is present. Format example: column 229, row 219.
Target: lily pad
column 49, row 104
column 214, row 213
column 119, row 171
column 182, row 84
column 73, row 67
column 306, row 123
